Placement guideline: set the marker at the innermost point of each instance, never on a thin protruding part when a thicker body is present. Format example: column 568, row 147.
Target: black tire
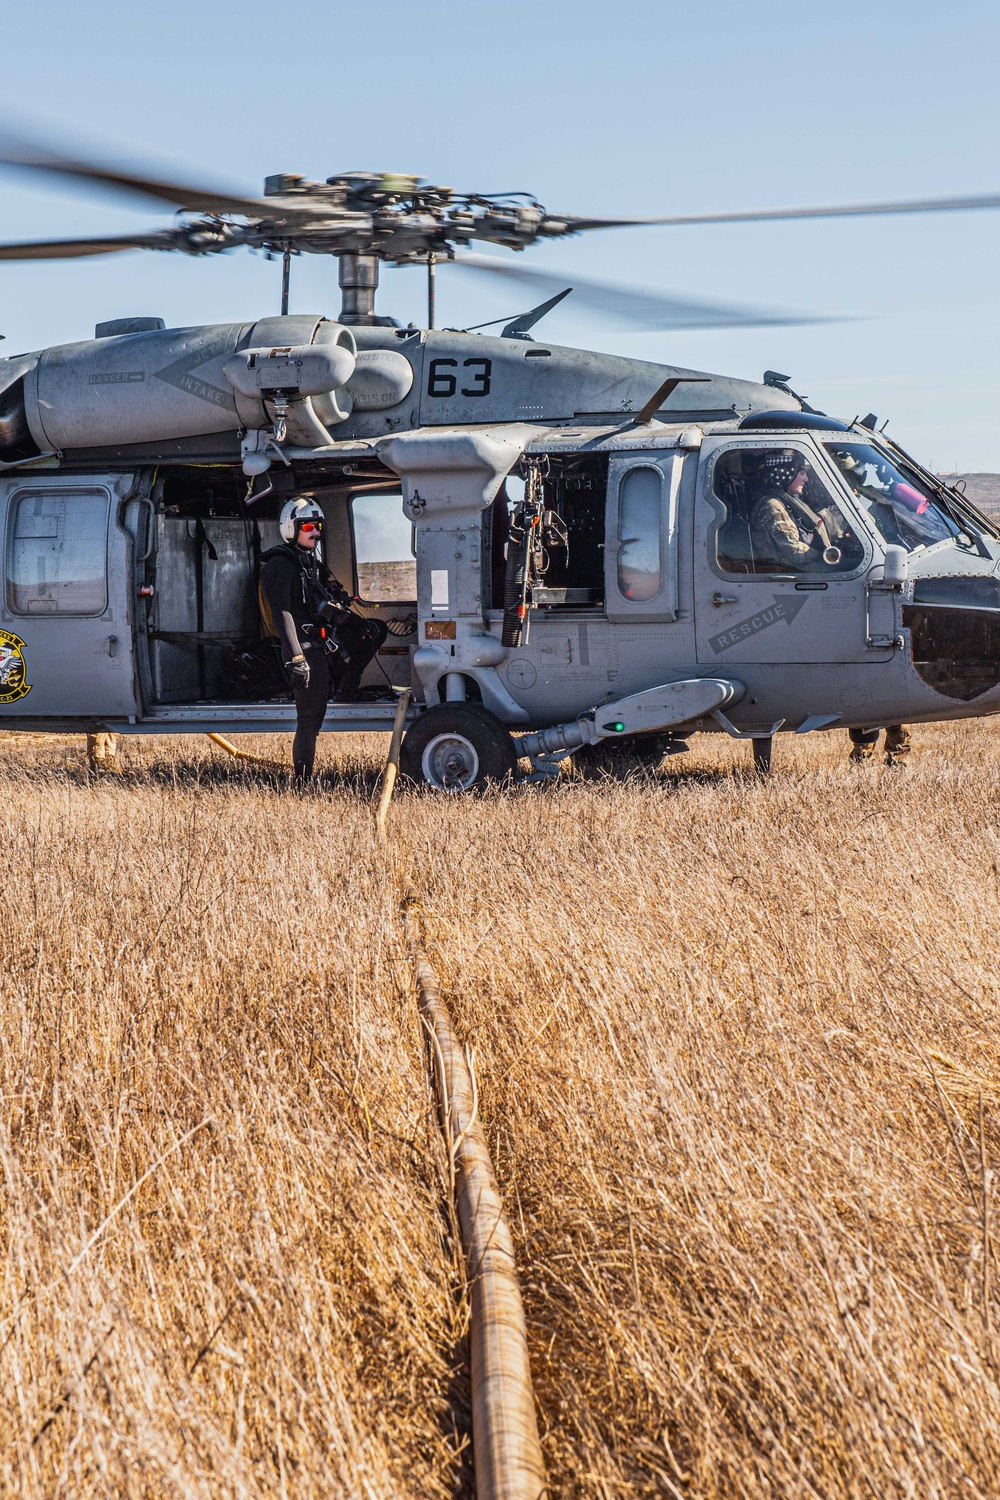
column 458, row 747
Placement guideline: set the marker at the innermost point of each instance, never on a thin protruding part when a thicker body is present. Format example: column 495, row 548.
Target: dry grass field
column 737, row 1053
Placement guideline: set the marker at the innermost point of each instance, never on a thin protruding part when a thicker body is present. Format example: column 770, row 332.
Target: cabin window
column 641, row 504
column 57, row 552
column 780, row 516
column 383, row 549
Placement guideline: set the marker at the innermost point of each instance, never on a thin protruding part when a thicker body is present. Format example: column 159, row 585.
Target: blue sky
column 599, row 109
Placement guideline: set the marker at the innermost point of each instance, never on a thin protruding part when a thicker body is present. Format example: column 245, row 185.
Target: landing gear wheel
column 458, row 747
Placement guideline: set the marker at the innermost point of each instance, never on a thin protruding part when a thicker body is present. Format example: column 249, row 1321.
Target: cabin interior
column 205, row 637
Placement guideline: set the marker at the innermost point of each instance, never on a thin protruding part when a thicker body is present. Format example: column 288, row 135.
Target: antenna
column 663, row 393
column 517, row 327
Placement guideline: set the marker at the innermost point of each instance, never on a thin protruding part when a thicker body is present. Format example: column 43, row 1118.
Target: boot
column 103, row 765
column 898, row 744
column 863, row 742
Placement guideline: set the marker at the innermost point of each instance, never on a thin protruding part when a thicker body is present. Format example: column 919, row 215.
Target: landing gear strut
column 762, row 755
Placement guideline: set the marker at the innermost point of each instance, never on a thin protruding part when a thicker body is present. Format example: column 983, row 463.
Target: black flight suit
column 295, row 582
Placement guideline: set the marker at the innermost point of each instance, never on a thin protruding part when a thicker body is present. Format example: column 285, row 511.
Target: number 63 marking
column 441, row 382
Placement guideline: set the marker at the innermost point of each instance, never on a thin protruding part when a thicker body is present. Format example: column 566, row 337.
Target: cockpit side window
column 780, row 516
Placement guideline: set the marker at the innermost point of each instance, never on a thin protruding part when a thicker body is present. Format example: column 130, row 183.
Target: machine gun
column 533, row 532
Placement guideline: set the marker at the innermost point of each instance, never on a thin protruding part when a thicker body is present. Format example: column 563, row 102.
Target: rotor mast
column 358, row 284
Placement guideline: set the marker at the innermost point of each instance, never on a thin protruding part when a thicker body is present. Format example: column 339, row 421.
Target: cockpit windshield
column 904, row 511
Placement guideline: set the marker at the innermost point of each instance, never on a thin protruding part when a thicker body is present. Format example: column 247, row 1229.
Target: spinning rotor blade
column 72, row 249
column 32, row 158
column 649, row 310
column 838, row 211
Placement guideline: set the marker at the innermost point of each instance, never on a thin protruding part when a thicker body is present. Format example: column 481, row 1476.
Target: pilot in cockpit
column 785, row 529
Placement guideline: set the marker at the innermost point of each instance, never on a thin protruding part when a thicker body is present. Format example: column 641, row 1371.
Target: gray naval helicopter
column 568, row 549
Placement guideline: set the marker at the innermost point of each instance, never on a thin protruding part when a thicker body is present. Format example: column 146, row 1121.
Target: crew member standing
column 324, row 647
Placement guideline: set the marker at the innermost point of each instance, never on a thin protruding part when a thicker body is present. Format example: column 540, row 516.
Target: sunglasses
column 308, row 526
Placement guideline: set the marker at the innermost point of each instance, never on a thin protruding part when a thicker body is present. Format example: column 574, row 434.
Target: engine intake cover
column 382, row 378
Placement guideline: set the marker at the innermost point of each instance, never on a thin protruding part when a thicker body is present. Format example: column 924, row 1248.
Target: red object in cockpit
column 911, row 498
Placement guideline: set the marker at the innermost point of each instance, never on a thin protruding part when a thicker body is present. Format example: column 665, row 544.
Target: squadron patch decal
column 14, row 682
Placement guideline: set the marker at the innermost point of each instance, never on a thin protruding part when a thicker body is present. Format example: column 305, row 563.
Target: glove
column 298, row 673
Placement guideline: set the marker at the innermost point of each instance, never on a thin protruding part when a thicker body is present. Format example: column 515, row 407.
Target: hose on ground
column 506, row 1450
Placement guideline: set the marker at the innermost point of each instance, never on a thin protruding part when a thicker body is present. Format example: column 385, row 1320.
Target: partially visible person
column 904, row 513
column 864, row 743
column 324, row 647
column 102, row 751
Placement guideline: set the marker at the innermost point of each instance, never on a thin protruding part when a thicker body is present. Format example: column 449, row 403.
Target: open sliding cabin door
column 66, row 615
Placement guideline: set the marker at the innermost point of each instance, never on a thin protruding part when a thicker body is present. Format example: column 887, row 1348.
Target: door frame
column 714, row 446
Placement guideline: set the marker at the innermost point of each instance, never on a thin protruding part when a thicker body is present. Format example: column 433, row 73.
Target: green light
column 616, row 728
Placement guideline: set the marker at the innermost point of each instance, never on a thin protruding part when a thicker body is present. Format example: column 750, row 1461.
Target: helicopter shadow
column 360, row 781
column 669, row 778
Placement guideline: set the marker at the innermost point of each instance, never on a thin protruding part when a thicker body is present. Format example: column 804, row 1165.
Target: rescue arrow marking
column 782, row 607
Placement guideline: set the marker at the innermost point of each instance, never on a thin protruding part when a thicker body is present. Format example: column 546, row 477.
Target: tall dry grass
column 736, row 1048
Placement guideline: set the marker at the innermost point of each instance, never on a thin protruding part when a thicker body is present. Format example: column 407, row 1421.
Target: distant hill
column 982, row 489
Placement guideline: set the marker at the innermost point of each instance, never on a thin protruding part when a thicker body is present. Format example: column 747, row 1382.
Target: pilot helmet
column 780, row 465
column 293, row 513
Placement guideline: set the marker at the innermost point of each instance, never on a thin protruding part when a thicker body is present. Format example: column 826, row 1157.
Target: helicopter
column 573, row 553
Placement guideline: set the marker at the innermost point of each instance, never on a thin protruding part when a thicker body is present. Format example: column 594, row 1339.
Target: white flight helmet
column 293, row 513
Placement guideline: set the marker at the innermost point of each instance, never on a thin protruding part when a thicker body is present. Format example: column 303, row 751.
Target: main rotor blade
column 649, row 310
column 33, row 158
column 838, row 211
column 73, row 249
